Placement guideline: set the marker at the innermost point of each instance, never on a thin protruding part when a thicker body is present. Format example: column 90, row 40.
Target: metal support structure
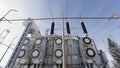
column 7, row 14
column 113, row 13
column 63, row 42
column 14, row 56
column 6, row 45
column 7, row 48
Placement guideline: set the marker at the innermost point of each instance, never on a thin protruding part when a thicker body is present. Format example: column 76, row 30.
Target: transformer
column 46, row 51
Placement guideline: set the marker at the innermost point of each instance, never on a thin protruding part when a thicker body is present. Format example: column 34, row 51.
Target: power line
column 60, row 18
column 83, row 9
column 50, row 8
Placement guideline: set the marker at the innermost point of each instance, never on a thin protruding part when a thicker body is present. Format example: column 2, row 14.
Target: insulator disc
column 90, row 52
column 58, row 41
column 22, row 53
column 58, row 53
column 86, row 40
column 38, row 41
column 27, row 41
column 35, row 53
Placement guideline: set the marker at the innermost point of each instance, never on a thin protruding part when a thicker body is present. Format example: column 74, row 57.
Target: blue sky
column 99, row 30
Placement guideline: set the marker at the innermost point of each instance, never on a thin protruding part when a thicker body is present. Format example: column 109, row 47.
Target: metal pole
column 8, row 48
column 7, row 14
column 109, row 10
column 63, row 42
column 6, row 45
column 59, row 18
column 113, row 13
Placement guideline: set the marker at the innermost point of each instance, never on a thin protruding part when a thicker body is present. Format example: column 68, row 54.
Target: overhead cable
column 60, row 18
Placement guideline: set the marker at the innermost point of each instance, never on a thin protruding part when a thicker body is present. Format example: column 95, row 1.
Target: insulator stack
column 68, row 27
column 52, row 28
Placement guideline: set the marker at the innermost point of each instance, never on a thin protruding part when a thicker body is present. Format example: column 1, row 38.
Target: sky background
column 99, row 30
